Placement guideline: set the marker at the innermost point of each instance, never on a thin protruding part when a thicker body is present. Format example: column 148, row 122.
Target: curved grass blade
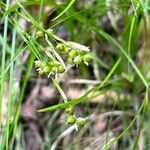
column 145, row 108
column 29, row 3
column 68, row 6
column 114, row 42
column 27, row 76
column 10, row 96
column 3, row 61
column 60, row 90
column 86, row 96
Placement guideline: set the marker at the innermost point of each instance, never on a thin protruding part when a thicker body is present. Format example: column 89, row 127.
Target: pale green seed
column 43, row 64
column 80, row 52
column 51, row 63
column 67, row 50
column 57, row 63
column 54, row 69
column 71, row 119
column 38, row 63
column 70, row 61
column 87, row 57
column 80, row 122
column 49, row 32
column 40, row 72
column 39, row 34
column 60, row 47
column 46, row 69
column 61, row 69
column 69, row 110
column 78, row 59
column 73, row 54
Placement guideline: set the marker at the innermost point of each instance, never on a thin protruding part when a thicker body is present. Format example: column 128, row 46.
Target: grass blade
column 113, row 41
column 3, row 58
column 86, row 96
column 68, row 6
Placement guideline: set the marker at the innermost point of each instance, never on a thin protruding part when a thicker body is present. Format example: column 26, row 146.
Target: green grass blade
column 3, row 58
column 86, row 96
column 19, row 104
column 130, row 36
column 145, row 108
column 13, row 59
column 14, row 7
column 27, row 76
column 113, row 41
column 60, row 90
column 68, row 6
column 10, row 96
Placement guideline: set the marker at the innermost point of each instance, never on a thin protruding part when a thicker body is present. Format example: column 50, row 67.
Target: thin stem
column 3, row 58
column 29, row 69
column 145, row 107
column 10, row 96
column 130, row 39
column 18, row 108
column 60, row 90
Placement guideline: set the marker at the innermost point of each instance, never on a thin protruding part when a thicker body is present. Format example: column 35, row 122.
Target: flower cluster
column 74, row 53
column 71, row 119
column 74, row 56
column 49, row 67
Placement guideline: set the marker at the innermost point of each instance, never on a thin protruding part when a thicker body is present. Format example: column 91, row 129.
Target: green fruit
column 46, row 69
column 61, row 69
column 81, row 52
column 69, row 110
column 39, row 34
column 80, row 122
column 57, row 63
column 87, row 57
column 70, row 61
column 67, row 50
column 60, row 47
column 54, row 69
column 71, row 119
column 51, row 64
column 49, row 32
column 73, row 54
column 40, row 72
column 78, row 59
column 43, row 64
column 37, row 63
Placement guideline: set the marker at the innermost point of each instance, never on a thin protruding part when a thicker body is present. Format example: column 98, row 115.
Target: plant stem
column 3, row 59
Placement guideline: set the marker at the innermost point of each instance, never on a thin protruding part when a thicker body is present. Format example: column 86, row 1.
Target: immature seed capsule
column 43, row 64
column 81, row 52
column 39, row 34
column 37, row 63
column 80, row 122
column 70, row 61
column 49, row 32
column 46, row 69
column 54, row 69
column 51, row 64
column 73, row 54
column 71, row 119
column 69, row 110
column 87, row 57
column 40, row 72
column 60, row 47
column 77, row 60
column 67, row 50
column 61, row 69
column 56, row 63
